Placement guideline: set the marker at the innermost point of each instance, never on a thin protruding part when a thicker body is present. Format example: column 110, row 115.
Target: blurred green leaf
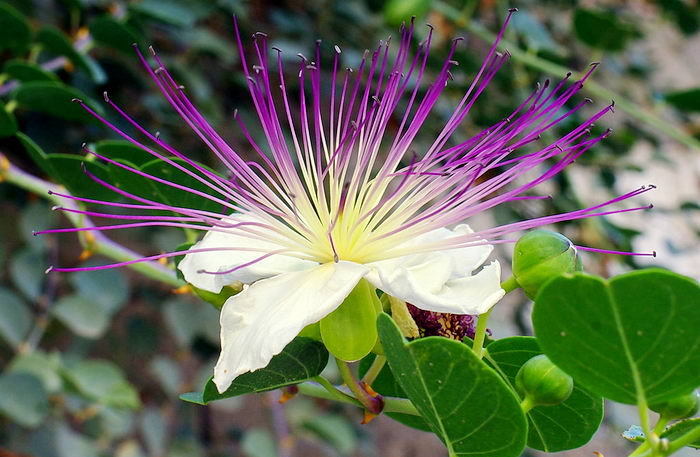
column 115, row 34
column 568, row 425
column 603, row 29
column 82, row 316
column 181, row 13
column 685, row 100
column 72, row 444
column 334, row 430
column 187, row 320
column 185, row 447
column 36, row 153
column 27, row 272
column 24, row 71
column 202, row 40
column 535, row 34
column 463, row 401
column 24, row 399
column 36, row 216
column 154, row 431
column 107, row 289
column 15, row 33
column 122, row 150
column 115, row 422
column 167, row 372
column 56, row 42
column 68, row 170
column 398, row 11
column 302, row 359
column 103, row 382
column 54, row 98
column 600, row 333
column 686, row 14
column 258, row 442
column 16, row 318
column 8, row 123
column 46, row 367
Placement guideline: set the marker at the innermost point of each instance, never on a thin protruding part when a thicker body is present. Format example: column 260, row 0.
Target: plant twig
column 97, row 242
column 391, row 404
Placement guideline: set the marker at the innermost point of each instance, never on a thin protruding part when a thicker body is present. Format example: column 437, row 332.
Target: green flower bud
column 541, row 255
column 679, row 407
column 541, row 382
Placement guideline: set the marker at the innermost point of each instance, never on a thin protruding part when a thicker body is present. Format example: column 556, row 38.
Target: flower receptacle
column 350, row 331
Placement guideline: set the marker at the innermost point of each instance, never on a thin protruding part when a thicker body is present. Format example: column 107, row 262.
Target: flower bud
column 539, row 256
column 542, row 383
column 679, row 407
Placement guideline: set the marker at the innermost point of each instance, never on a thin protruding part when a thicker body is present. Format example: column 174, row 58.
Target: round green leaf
column 23, row 399
column 15, row 33
column 465, row 402
column 568, row 425
column 24, row 71
column 635, row 334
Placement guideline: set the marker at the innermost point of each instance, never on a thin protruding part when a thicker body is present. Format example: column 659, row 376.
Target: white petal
column 227, row 259
column 260, row 321
column 442, row 281
column 473, row 294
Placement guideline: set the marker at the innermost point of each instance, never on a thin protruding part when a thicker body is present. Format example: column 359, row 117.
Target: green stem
column 391, row 404
column 336, row 393
column 368, row 401
column 527, row 404
column 510, row 284
column 533, row 61
column 374, row 369
column 480, row 334
column 99, row 243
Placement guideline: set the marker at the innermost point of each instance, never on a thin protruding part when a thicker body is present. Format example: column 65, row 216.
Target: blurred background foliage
column 93, row 363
